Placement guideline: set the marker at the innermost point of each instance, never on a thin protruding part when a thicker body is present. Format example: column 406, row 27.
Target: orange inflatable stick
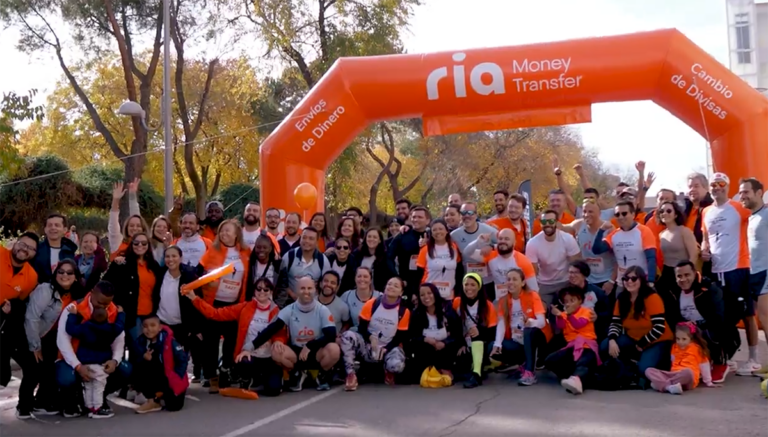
column 208, row 278
column 553, row 83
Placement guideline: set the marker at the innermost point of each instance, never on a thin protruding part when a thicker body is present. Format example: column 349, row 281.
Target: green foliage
column 47, row 187
column 235, row 197
column 95, row 183
column 90, row 219
column 13, row 109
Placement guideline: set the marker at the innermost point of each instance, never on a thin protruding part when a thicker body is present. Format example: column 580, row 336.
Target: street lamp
column 133, row 109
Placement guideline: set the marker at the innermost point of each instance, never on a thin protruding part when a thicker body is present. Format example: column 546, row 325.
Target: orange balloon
column 207, row 279
column 305, row 196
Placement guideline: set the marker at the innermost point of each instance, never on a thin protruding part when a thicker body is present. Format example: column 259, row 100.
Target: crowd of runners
column 614, row 299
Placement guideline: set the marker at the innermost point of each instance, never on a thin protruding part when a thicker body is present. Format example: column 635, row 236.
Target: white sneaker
column 573, row 385
column 675, row 389
column 748, row 367
column 733, row 365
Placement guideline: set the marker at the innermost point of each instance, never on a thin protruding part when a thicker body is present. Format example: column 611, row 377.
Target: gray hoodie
column 43, row 311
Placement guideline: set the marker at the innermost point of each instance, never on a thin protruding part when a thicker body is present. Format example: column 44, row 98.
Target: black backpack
column 614, row 374
column 292, row 258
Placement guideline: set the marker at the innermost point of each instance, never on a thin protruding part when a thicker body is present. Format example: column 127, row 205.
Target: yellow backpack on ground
column 432, row 378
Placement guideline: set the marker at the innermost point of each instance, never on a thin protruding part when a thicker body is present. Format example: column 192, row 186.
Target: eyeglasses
column 718, row 184
column 342, row 247
column 273, row 217
column 263, row 290
column 548, row 221
column 468, row 213
column 25, row 246
column 141, row 243
column 65, row 272
column 630, row 278
column 667, row 211
column 621, row 214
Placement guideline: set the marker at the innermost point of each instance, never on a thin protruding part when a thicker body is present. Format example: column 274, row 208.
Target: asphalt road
column 499, row 407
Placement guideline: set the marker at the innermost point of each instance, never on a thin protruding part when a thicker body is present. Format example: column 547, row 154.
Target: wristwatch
column 558, row 172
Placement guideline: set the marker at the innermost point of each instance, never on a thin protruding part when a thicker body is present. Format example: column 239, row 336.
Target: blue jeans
column 514, row 353
column 657, row 355
column 71, row 388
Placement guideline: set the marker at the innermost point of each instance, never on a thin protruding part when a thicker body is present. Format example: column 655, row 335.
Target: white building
column 748, row 41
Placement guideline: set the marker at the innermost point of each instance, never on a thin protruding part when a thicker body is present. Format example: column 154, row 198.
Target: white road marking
column 281, row 414
column 193, row 398
column 10, row 401
column 122, row 402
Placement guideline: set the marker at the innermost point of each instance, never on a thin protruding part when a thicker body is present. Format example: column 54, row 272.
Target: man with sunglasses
column 551, row 252
column 725, row 245
column 632, row 244
column 556, row 201
column 17, row 280
column 629, row 194
column 469, row 231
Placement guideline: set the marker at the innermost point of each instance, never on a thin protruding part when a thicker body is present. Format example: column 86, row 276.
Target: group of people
column 637, row 300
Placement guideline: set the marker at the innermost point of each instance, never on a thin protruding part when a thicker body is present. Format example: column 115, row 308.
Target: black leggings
column 251, row 371
column 211, row 340
column 562, row 363
column 515, row 353
column 151, row 379
column 423, row 355
column 42, row 373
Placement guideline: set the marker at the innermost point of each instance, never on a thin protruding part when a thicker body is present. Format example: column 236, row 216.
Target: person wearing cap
column 629, row 194
column 725, row 246
column 214, row 215
column 478, row 316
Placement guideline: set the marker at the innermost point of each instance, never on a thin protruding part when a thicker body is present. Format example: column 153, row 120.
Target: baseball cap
column 721, row 177
column 628, row 190
column 214, row 203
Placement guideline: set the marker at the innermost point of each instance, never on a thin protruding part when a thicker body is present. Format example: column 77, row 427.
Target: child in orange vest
column 580, row 356
column 690, row 361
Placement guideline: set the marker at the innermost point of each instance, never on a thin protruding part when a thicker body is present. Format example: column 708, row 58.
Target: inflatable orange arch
column 515, row 87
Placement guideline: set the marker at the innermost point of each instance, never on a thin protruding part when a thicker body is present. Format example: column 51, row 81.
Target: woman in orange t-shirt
column 690, row 362
column 579, row 357
column 134, row 277
column 638, row 330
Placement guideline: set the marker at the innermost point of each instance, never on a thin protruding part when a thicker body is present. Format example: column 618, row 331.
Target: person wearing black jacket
column 373, row 254
column 134, row 277
column 340, row 261
column 698, row 199
column 264, row 262
column 53, row 248
column 403, row 253
column 701, row 301
column 173, row 311
column 312, row 335
column 479, row 319
column 435, row 334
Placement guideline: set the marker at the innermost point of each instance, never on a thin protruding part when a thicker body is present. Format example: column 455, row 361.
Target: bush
column 96, row 190
column 95, row 219
column 235, row 197
column 25, row 205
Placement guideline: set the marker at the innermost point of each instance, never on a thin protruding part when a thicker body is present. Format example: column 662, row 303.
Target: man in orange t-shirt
column 557, row 201
column 514, row 220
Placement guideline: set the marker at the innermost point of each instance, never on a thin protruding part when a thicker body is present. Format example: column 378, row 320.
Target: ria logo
column 460, row 81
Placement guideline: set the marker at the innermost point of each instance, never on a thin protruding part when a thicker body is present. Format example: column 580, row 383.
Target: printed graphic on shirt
column 629, row 247
column 432, row 331
column 440, row 269
column 726, row 229
column 355, row 305
column 230, row 285
column 258, row 323
column 383, row 323
column 517, row 321
column 305, row 327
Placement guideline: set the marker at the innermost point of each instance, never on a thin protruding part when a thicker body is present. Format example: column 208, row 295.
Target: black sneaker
column 473, row 381
column 323, row 381
column 296, row 382
column 71, row 411
column 45, row 411
column 23, row 414
column 206, row 383
column 224, row 378
column 102, row 413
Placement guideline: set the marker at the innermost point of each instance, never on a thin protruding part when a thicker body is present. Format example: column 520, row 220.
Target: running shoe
column 528, row 378
column 748, row 368
column 150, row 406
column 389, row 378
column 573, row 385
column 733, row 365
column 351, row 382
column 675, row 389
column 296, row 382
column 23, row 413
column 474, row 380
column 45, row 411
column 719, row 372
column 71, row 411
column 102, row 413
column 322, row 381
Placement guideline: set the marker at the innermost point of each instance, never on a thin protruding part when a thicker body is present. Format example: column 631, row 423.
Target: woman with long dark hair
column 173, row 311
column 134, row 277
column 677, row 243
column 340, row 261
column 478, row 317
column 91, row 261
column 264, row 263
column 435, row 333
column 638, row 331
column 320, row 222
column 372, row 254
column 439, row 261
column 40, row 323
column 349, row 229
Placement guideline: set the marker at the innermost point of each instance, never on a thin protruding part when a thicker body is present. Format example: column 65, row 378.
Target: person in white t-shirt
column 551, row 252
column 264, row 262
column 251, row 219
column 191, row 243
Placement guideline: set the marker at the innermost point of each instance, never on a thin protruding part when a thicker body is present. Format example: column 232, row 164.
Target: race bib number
column 445, row 290
column 596, row 265
column 501, row 290
column 479, row 268
column 517, row 335
column 412, row 265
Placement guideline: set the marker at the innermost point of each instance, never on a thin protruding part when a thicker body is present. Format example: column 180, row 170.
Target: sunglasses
column 548, row 221
column 342, row 247
column 65, row 272
column 630, row 278
column 667, row 211
column 590, row 200
column 621, row 214
column 716, row 184
column 141, row 243
column 468, row 213
column 263, row 290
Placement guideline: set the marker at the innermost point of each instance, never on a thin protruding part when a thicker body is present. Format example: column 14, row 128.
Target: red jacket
column 213, row 259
